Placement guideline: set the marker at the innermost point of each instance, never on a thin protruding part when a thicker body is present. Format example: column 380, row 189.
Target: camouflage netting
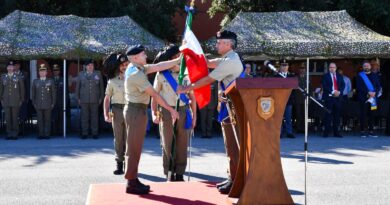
column 25, row 35
column 305, row 34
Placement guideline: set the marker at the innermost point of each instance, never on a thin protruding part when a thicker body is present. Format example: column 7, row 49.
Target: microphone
column 272, row 67
column 269, row 65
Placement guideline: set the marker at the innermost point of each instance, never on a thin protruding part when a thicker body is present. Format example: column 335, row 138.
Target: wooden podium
column 259, row 104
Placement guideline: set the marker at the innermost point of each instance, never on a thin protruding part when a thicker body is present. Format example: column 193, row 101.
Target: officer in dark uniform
column 89, row 93
column 287, row 117
column 24, row 114
column 11, row 95
column 43, row 98
column 57, row 113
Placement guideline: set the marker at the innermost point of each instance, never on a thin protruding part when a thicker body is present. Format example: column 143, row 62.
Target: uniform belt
column 117, row 105
column 138, row 105
column 181, row 107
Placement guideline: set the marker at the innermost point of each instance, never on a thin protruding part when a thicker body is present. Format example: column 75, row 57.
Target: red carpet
column 180, row 193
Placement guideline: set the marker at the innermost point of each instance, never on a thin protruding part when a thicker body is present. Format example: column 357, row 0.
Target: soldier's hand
column 107, row 118
column 193, row 122
column 174, row 115
column 79, row 102
column 222, row 99
column 156, row 119
column 181, row 89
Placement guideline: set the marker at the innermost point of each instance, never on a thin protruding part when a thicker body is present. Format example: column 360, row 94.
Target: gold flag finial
column 192, row 4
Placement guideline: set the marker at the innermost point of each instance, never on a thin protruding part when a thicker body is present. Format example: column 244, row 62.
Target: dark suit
column 331, row 102
column 362, row 94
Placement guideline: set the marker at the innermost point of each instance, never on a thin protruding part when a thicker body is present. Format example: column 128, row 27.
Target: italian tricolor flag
column 196, row 66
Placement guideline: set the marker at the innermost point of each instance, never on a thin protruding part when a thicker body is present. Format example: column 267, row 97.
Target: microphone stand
column 307, row 97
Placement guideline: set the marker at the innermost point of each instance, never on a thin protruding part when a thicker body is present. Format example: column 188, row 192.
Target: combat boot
column 172, row 178
column 179, row 178
column 225, row 189
column 119, row 168
column 134, row 186
column 143, row 185
column 228, row 180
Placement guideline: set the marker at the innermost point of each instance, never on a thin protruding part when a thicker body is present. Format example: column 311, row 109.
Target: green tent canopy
column 25, row 35
column 295, row 34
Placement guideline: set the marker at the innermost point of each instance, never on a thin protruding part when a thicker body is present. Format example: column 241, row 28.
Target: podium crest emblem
column 265, row 107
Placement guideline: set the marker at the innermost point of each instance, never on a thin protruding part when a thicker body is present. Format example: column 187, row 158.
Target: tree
column 372, row 13
column 154, row 15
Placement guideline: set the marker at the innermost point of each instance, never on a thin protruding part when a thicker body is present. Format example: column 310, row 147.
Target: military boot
column 119, row 168
column 172, row 178
column 143, row 185
column 179, row 178
column 228, row 180
column 134, row 186
column 225, row 189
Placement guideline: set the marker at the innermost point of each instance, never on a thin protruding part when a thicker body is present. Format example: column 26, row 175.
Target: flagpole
column 306, row 123
column 180, row 79
column 65, row 78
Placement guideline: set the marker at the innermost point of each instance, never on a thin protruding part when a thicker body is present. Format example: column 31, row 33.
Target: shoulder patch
column 130, row 70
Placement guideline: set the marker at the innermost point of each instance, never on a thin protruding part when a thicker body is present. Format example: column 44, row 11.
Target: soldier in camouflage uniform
column 11, row 95
column 43, row 98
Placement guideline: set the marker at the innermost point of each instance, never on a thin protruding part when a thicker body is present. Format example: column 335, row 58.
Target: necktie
column 335, row 82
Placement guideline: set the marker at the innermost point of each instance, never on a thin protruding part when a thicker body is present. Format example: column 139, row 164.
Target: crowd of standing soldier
column 128, row 95
column 46, row 98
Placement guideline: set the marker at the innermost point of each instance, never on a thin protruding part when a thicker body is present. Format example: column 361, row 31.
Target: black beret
column 10, row 63
column 121, row 58
column 134, row 50
column 226, row 35
column 89, row 61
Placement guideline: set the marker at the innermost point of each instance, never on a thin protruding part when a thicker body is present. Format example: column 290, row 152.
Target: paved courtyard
column 350, row 170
